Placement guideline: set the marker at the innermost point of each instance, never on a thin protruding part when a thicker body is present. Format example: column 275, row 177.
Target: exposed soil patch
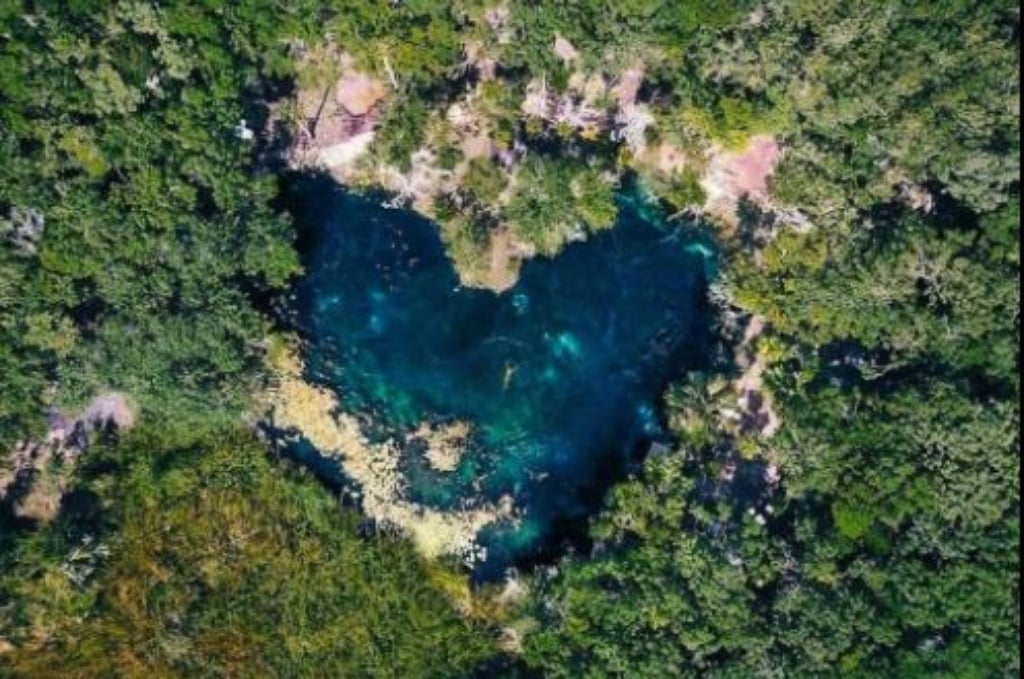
column 35, row 474
column 106, row 409
column 357, row 94
column 565, row 50
column 733, row 175
column 755, row 403
column 506, row 258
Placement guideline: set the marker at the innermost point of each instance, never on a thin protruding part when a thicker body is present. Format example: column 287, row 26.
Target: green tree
column 207, row 559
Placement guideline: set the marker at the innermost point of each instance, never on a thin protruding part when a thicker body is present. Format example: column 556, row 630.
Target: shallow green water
column 560, row 375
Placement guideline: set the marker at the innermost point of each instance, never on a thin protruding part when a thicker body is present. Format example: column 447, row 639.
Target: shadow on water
column 560, row 377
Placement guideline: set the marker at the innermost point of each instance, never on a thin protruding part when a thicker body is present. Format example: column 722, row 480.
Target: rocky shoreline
column 336, row 126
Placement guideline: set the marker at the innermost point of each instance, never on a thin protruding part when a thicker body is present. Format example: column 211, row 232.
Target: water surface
column 560, row 376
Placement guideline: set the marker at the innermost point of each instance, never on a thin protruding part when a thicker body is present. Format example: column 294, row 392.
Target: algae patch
column 304, row 408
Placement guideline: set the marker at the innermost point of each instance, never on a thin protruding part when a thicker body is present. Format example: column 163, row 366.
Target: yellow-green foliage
column 732, row 122
column 467, row 243
column 484, row 180
column 80, row 145
column 680, row 190
column 222, row 564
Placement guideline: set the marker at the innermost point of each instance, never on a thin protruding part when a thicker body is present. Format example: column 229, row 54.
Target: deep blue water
column 560, row 375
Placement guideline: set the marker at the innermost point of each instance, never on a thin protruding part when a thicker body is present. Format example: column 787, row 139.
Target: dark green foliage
column 117, row 126
column 664, row 603
column 912, row 292
column 402, row 131
column 418, row 40
column 923, row 93
column 556, row 200
column 683, row 190
column 887, row 550
column 892, row 546
column 484, row 181
column 215, row 562
column 628, row 27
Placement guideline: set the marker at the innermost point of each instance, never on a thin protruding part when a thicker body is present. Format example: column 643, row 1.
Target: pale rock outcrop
column 357, row 93
column 497, row 18
column 335, row 127
column 565, row 50
column 628, row 85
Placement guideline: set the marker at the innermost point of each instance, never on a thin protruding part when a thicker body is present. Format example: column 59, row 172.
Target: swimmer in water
column 510, row 371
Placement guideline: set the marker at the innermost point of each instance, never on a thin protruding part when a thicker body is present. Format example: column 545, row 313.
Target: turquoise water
column 560, row 375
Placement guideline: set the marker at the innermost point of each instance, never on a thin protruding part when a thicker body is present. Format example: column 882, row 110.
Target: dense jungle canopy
column 837, row 493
